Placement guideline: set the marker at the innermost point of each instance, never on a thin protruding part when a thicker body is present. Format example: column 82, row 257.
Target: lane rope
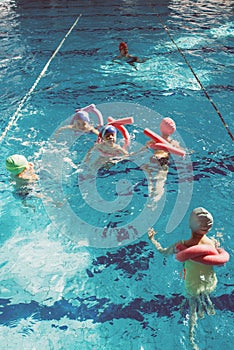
column 13, row 119
column 196, row 77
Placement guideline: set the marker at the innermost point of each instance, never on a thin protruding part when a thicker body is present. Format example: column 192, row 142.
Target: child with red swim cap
column 123, row 46
column 125, row 56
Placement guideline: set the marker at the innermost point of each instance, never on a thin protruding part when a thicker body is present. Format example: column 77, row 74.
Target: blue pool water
column 83, row 275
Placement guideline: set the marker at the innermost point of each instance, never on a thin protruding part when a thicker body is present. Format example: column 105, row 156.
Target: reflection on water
column 193, row 11
column 57, row 295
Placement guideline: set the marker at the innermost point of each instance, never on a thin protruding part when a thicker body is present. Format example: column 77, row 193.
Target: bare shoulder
column 209, row 241
column 175, row 143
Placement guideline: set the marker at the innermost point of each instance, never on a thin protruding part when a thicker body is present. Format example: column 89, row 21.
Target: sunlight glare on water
column 63, row 285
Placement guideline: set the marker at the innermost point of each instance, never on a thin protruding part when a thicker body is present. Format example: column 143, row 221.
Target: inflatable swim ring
column 161, row 143
column 202, row 253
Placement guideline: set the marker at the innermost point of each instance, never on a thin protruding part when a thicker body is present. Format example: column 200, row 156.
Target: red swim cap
column 123, row 45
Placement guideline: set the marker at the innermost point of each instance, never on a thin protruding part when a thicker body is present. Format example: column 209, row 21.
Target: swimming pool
column 55, row 293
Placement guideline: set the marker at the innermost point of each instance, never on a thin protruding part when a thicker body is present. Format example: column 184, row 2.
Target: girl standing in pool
column 158, row 165
column 200, row 279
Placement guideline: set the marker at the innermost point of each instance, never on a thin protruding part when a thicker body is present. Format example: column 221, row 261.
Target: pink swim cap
column 167, row 126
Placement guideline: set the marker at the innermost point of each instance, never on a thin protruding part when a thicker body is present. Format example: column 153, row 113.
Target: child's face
column 81, row 124
column 29, row 173
column 30, row 168
column 110, row 137
column 124, row 51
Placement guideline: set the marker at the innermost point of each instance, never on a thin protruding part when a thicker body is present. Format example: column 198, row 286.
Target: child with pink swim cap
column 167, row 127
column 157, row 168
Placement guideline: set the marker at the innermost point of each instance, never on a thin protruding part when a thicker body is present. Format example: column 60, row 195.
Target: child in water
column 200, row 279
column 157, row 168
column 20, row 169
column 80, row 122
column 167, row 128
column 22, row 173
column 125, row 56
column 25, row 180
column 106, row 146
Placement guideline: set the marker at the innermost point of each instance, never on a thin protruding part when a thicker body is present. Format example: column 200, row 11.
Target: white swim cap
column 200, row 220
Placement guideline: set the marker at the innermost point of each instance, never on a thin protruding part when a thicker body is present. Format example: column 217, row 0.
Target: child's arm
column 165, row 251
column 142, row 149
column 94, row 131
column 63, row 128
column 120, row 150
column 123, row 151
column 116, row 59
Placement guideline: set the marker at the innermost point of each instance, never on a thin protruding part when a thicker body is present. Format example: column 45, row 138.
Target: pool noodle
column 122, row 121
column 162, row 144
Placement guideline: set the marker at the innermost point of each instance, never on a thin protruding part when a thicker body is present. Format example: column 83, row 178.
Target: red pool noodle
column 160, row 143
column 203, row 253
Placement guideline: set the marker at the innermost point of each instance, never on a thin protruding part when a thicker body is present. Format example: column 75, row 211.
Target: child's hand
column 151, row 233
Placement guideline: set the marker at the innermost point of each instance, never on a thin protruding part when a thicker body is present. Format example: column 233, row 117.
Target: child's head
column 167, row 126
column 82, row 115
column 16, row 164
column 81, row 119
column 123, row 47
column 109, row 132
column 200, row 221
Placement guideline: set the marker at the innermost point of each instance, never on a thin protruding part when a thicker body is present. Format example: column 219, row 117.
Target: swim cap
column 167, row 126
column 82, row 115
column 16, row 163
column 110, row 129
column 122, row 45
column 200, row 219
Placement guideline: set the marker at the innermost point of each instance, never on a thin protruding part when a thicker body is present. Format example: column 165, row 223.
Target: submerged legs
column 193, row 305
column 156, row 186
column 197, row 308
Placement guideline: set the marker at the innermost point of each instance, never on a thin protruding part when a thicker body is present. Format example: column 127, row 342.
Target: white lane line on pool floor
column 13, row 119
